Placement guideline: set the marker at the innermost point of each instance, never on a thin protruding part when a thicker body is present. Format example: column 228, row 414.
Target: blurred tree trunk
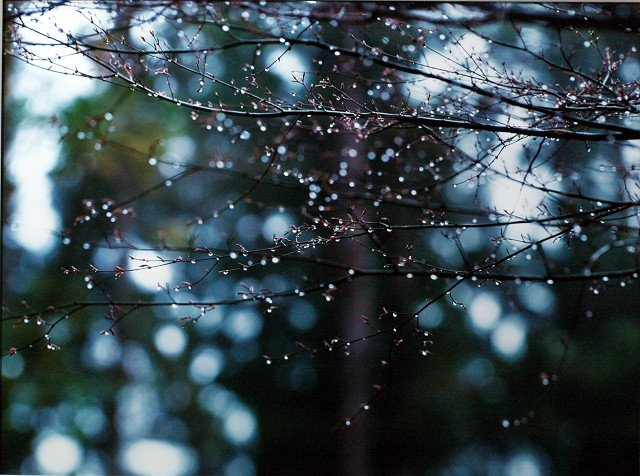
column 356, row 372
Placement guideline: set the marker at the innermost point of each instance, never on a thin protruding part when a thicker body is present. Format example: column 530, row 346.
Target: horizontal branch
column 631, row 273
column 614, row 131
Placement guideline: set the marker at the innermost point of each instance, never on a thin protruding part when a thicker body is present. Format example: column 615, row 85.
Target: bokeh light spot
column 58, row 454
column 170, row 341
column 158, row 458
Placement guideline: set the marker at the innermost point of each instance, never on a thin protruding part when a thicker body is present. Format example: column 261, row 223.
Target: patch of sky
column 32, row 156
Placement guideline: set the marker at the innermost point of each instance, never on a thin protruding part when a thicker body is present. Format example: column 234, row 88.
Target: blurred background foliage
column 202, row 399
